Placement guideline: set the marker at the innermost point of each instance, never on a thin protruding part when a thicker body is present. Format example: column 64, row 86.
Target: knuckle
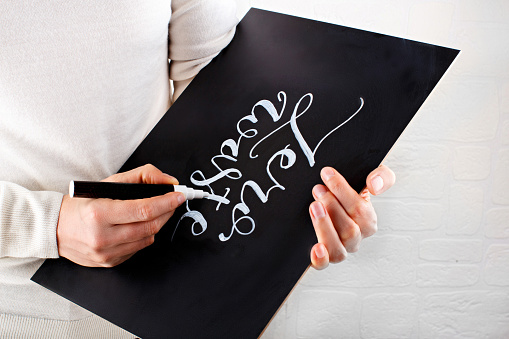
column 147, row 172
column 102, row 259
column 329, row 204
column 96, row 244
column 94, row 240
column 107, row 261
column 337, row 256
column 108, row 265
column 360, row 210
column 370, row 226
column 92, row 216
column 354, row 245
column 350, row 231
column 150, row 240
column 149, row 168
column 354, row 249
column 336, row 187
column 145, row 212
column 374, row 221
column 352, row 242
column 371, row 229
column 152, row 227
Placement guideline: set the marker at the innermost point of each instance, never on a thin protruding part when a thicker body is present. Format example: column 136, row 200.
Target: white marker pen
column 128, row 191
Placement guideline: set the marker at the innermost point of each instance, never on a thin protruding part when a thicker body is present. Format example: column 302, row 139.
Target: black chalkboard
column 201, row 285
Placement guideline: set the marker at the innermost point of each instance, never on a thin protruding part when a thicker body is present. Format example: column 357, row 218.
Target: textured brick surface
column 409, row 216
column 439, row 265
column 343, row 13
column 461, row 108
column 420, row 169
column 472, row 163
column 325, row 314
column 278, row 325
column 503, row 102
column 466, row 203
column 431, row 21
column 496, row 271
column 451, row 250
column 497, row 223
column 447, row 275
column 504, row 134
column 483, row 48
column 398, row 310
column 501, row 178
column 382, row 261
column 465, row 314
column 475, row 10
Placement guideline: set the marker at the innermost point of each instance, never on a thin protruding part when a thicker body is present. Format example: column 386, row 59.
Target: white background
column 439, row 265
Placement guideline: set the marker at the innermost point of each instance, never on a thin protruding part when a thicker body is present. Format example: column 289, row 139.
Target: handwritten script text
column 241, row 221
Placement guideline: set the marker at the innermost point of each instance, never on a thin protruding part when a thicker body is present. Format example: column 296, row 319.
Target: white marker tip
column 71, row 189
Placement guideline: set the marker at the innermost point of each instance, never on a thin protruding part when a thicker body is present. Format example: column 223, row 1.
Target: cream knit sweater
column 81, row 85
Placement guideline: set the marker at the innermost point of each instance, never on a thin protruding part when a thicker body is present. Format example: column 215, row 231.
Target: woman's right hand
column 105, row 232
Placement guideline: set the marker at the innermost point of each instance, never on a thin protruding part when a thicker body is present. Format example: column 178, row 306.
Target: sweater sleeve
column 28, row 222
column 198, row 31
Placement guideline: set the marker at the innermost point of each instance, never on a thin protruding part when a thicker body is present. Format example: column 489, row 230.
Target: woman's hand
column 341, row 216
column 105, row 232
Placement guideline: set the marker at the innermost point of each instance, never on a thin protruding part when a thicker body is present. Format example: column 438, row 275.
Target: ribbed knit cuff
column 12, row 326
column 28, row 222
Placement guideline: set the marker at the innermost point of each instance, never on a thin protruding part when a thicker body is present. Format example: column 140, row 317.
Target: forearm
column 179, row 87
column 198, row 31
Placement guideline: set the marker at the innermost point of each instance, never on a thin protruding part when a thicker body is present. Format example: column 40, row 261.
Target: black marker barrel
column 129, row 191
column 116, row 190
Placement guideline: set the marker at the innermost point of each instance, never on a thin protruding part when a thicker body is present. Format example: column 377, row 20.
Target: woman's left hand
column 342, row 217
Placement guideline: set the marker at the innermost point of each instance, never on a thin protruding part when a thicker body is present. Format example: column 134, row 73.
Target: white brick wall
column 469, row 313
column 439, row 265
column 379, row 310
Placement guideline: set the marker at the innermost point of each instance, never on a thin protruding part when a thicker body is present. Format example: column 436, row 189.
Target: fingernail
column 377, row 183
column 319, row 191
column 327, row 173
column 318, row 210
column 181, row 198
column 320, row 251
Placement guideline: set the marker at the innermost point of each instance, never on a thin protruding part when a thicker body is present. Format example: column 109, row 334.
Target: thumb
column 147, row 174
column 380, row 180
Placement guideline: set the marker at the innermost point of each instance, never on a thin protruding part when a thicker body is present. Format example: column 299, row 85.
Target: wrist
column 62, row 219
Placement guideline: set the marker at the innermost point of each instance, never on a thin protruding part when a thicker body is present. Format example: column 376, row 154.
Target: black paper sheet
column 287, row 97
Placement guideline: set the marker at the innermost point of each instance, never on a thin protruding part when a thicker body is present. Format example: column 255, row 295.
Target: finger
column 130, row 211
column 380, row 180
column 126, row 233
column 118, row 261
column 114, row 256
column 338, row 185
column 326, row 233
column 360, row 210
column 147, row 174
column 102, row 258
column 80, row 258
column 348, row 230
column 365, row 194
column 319, row 257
